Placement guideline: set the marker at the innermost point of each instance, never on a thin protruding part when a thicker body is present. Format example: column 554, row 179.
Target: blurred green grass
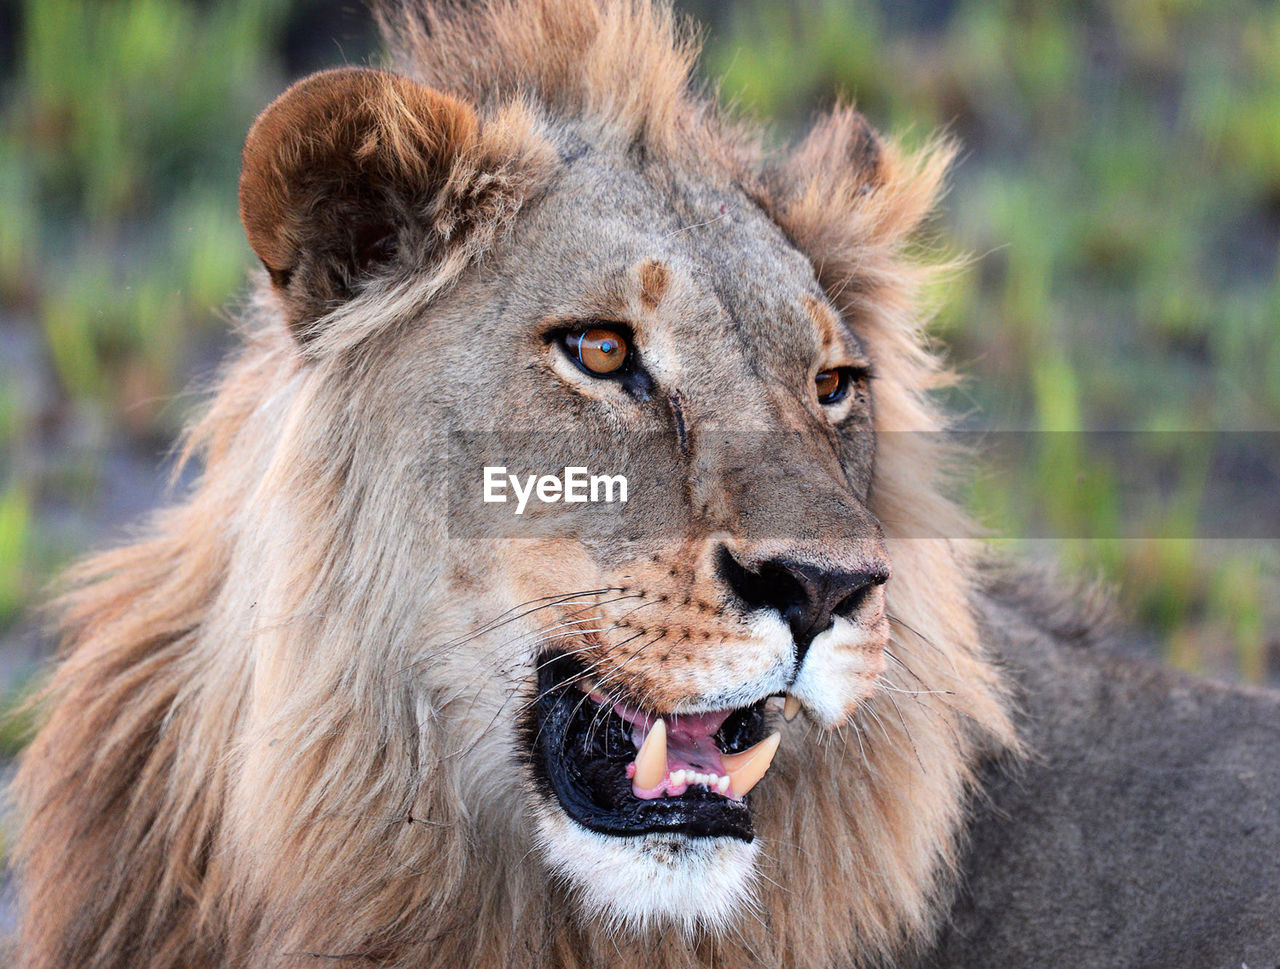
column 119, row 144
column 1119, row 187
column 120, row 140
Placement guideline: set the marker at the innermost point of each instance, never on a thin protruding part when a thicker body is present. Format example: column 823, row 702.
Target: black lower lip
column 580, row 754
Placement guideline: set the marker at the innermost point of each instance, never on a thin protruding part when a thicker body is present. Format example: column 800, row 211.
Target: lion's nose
column 808, row 596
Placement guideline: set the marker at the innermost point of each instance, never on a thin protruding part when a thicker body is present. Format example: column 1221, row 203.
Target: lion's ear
column 850, row 199
column 840, row 160
column 340, row 172
column 842, row 146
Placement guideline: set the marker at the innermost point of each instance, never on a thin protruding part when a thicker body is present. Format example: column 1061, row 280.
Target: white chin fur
column 652, row 881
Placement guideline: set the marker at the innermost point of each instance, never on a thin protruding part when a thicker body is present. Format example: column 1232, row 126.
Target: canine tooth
column 651, row 761
column 790, row 708
column 735, row 762
column 748, row 767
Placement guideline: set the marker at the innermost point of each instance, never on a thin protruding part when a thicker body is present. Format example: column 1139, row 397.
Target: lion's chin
column 652, row 881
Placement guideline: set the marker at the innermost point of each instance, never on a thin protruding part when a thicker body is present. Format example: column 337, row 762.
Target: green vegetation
column 1119, row 190
column 119, row 150
column 120, row 143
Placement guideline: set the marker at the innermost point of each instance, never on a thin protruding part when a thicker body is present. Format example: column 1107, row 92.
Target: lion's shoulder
column 1143, row 830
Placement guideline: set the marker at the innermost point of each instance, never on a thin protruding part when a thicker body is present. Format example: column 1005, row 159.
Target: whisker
column 547, row 603
column 923, row 638
column 910, row 739
column 894, row 689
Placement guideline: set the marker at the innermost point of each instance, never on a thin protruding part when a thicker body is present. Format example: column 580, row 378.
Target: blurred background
column 1118, row 191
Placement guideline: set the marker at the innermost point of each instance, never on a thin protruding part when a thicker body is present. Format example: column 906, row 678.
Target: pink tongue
column 689, row 743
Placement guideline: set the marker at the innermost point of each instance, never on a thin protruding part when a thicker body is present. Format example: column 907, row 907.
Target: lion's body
column 1145, row 832
column 292, row 726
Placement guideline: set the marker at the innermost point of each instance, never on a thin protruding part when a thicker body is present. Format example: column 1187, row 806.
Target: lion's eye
column 598, row 351
column 832, row 385
column 836, row 384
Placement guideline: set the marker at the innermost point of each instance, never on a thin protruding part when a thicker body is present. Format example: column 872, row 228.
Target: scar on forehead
column 823, row 319
column 654, row 279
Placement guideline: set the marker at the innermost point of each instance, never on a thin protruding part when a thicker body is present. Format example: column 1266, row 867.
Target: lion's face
column 744, row 569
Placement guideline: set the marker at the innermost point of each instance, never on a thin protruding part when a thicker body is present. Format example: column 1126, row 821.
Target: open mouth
column 619, row 770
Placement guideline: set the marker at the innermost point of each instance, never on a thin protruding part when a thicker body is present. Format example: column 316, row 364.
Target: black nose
column 807, row 596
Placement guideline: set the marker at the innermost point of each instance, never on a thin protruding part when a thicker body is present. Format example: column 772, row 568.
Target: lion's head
column 364, row 725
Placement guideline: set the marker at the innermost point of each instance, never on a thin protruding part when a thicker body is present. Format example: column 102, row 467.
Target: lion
column 776, row 709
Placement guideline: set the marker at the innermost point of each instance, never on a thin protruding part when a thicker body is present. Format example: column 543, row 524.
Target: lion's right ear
column 341, row 172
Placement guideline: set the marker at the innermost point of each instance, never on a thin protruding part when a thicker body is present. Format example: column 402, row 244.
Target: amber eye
column 831, row 385
column 599, row 351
